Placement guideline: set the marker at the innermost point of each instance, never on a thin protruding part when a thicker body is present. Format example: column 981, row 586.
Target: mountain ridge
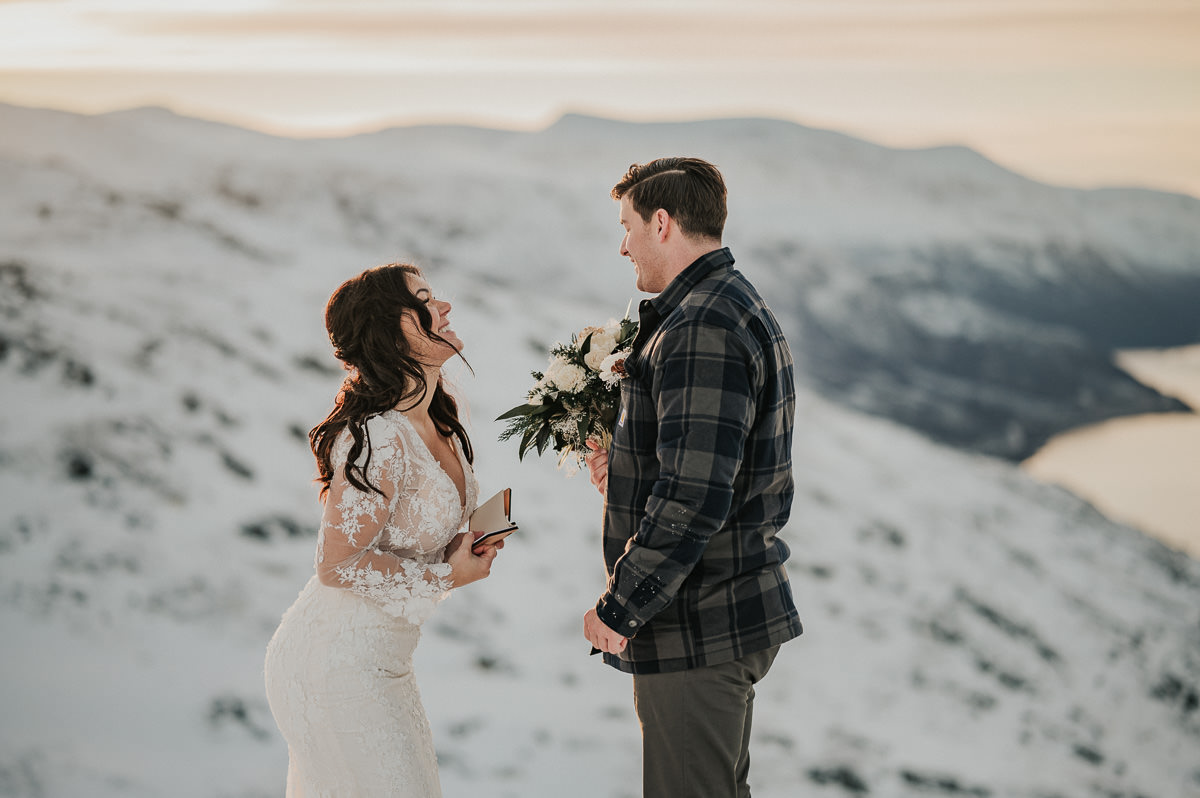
column 1102, row 269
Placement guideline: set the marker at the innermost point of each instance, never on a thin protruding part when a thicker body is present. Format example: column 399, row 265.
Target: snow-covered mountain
column 969, row 632
column 928, row 286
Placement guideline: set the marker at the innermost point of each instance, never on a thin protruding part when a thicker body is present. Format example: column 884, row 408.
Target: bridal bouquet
column 576, row 397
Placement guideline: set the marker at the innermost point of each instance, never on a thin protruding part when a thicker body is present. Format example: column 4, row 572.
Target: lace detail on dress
column 390, row 548
column 411, row 593
column 339, row 668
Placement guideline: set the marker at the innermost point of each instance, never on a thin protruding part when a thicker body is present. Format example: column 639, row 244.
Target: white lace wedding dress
column 339, row 668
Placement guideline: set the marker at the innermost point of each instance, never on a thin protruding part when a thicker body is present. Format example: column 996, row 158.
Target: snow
column 162, row 288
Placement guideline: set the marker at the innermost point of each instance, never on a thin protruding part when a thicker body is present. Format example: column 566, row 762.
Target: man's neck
column 692, row 249
column 687, row 255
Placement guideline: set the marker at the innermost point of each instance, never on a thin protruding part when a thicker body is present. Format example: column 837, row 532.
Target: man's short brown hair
column 691, row 190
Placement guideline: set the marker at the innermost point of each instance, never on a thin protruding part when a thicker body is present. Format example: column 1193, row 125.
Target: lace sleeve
column 353, row 527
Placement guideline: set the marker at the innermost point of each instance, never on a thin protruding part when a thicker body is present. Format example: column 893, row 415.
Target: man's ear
column 663, row 223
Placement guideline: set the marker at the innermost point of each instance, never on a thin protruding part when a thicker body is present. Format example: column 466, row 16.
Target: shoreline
column 1142, row 471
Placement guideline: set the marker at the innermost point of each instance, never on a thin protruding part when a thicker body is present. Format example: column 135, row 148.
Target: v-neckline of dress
column 462, row 495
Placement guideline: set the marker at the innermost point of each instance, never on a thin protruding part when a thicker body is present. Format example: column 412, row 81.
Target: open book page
column 492, row 520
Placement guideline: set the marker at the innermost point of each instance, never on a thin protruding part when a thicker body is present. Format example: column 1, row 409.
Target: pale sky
column 1074, row 92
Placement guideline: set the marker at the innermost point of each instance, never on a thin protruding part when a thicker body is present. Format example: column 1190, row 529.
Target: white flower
column 612, row 368
column 604, row 340
column 567, row 426
column 576, row 389
column 565, row 376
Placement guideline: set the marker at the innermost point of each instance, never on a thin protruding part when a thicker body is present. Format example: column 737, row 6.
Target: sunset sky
column 1076, row 92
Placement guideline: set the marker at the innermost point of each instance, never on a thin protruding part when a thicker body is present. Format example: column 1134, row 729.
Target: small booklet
column 492, row 520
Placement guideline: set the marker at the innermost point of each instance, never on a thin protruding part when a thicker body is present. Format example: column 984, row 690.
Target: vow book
column 492, row 520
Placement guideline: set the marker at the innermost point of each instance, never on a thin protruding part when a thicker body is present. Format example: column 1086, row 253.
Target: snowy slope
column 968, row 632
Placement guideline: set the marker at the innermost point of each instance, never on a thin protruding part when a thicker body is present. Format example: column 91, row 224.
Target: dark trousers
column 696, row 728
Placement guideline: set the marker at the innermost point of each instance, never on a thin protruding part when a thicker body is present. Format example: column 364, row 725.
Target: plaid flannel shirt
column 700, row 478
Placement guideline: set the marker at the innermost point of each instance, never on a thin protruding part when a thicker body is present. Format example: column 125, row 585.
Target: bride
column 394, row 465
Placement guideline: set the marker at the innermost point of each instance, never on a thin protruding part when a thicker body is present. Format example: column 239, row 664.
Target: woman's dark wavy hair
column 363, row 320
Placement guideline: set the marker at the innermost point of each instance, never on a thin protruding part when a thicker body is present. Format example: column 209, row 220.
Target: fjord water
column 1142, row 470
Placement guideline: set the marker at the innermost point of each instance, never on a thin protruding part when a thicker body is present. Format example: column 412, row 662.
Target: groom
column 698, row 481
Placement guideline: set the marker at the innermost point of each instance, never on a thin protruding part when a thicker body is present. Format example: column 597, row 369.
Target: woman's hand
column 495, row 544
column 465, row 565
column 597, row 463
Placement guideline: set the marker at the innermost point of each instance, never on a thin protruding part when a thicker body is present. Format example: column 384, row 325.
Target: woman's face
column 434, row 353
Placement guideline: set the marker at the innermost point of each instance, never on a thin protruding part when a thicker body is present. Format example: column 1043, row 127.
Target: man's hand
column 597, row 463
column 601, row 636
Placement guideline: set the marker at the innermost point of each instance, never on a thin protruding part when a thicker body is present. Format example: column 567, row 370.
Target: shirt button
column 633, row 623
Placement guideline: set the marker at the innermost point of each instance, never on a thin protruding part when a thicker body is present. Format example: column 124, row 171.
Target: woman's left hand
column 465, row 565
column 498, row 544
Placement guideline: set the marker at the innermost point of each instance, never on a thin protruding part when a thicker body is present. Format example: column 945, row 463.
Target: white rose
column 565, row 376
column 602, row 345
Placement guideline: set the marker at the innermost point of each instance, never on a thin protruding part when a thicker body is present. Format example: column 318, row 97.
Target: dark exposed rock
column 232, row 710
column 941, row 783
column 840, row 776
column 276, row 527
column 236, row 466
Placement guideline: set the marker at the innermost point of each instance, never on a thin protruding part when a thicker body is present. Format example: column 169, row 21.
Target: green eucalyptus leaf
column 543, row 437
column 519, row 410
column 526, row 439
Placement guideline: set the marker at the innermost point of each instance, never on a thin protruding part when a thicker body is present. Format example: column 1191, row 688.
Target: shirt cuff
column 613, row 615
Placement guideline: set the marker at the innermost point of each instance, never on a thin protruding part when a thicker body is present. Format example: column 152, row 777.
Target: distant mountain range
column 969, row 632
column 930, row 286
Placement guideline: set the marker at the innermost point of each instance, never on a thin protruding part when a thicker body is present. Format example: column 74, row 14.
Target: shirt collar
column 652, row 311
